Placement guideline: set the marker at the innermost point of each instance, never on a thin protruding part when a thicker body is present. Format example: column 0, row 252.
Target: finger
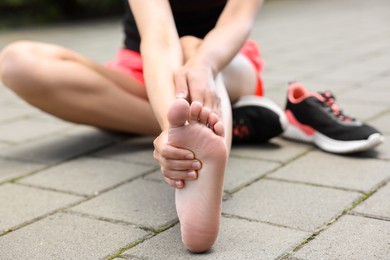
column 181, row 87
column 179, row 184
column 179, row 175
column 171, row 152
column 180, row 165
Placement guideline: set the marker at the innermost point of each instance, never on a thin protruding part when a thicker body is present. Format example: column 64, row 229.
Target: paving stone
column 9, row 112
column 362, row 112
column 337, row 171
column 277, row 149
column 141, row 202
column 352, row 237
column 55, row 149
column 20, row 204
column 4, row 145
column 241, row 172
column 382, row 123
column 136, row 150
column 86, row 176
column 64, row 236
column 383, row 150
column 293, row 205
column 11, row 169
column 23, row 130
column 238, row 239
column 377, row 205
column 368, row 95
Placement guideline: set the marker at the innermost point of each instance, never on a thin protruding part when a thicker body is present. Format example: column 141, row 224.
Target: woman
column 175, row 51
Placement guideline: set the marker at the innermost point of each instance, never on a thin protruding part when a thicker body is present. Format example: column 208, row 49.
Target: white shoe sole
column 331, row 145
column 263, row 102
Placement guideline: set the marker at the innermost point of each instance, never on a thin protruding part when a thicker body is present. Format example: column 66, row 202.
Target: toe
column 204, row 115
column 178, row 113
column 195, row 109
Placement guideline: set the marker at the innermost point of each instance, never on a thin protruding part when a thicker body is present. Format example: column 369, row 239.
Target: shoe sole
column 264, row 102
column 331, row 145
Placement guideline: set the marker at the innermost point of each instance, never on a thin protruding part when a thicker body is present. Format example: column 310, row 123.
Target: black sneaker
column 316, row 118
column 256, row 120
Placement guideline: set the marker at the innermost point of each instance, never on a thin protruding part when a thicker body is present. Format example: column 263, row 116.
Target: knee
column 189, row 45
column 19, row 65
column 15, row 60
column 190, row 41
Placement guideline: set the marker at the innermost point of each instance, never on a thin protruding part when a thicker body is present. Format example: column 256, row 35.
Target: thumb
column 181, row 88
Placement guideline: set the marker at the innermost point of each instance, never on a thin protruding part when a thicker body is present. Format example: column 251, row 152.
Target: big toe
column 178, row 113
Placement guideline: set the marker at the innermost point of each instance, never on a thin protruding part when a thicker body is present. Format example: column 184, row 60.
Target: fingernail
column 179, row 184
column 196, row 165
column 191, row 174
column 180, row 95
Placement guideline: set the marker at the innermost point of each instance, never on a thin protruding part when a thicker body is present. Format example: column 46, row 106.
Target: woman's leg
column 199, row 203
column 70, row 86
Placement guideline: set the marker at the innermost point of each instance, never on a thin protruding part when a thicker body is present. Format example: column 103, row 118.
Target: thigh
column 28, row 52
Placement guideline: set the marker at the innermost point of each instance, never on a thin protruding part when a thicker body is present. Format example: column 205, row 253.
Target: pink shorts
column 130, row 62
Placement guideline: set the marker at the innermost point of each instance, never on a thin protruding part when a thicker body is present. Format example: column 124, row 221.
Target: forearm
column 160, row 62
column 161, row 53
column 224, row 42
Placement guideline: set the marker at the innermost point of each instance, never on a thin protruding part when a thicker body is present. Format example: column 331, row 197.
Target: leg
column 199, row 203
column 69, row 86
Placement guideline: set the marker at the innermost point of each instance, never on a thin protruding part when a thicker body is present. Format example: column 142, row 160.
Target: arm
column 161, row 53
column 217, row 49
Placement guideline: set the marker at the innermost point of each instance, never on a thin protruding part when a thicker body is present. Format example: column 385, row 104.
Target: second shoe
column 316, row 118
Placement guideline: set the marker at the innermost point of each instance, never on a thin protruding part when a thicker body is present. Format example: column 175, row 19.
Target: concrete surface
column 75, row 192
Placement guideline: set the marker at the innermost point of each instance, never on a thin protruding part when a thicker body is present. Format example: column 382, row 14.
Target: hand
column 177, row 164
column 196, row 83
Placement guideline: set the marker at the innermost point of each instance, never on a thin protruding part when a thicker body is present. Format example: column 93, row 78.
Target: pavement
column 69, row 191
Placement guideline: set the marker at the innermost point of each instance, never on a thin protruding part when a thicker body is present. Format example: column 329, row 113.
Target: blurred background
column 22, row 13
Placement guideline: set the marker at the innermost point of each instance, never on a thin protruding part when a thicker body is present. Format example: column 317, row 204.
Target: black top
column 192, row 17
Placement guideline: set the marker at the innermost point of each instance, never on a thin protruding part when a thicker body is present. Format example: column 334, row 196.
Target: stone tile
column 238, row 239
column 137, row 150
column 352, row 237
column 383, row 150
column 86, row 176
column 9, row 112
column 362, row 112
column 21, row 204
column 382, row 123
column 368, row 95
column 293, row 205
column 55, row 149
column 4, row 145
column 377, row 205
column 64, row 236
column 141, row 202
column 11, row 169
column 28, row 129
column 337, row 171
column 277, row 149
column 241, row 172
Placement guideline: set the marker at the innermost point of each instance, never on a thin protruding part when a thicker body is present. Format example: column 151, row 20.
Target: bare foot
column 198, row 205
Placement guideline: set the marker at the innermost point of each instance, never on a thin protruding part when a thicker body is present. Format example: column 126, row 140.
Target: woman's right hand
column 177, row 165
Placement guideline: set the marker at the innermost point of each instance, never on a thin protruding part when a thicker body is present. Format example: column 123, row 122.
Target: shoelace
column 329, row 100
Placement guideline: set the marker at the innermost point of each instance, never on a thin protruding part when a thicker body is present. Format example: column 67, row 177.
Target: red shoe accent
column 309, row 131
